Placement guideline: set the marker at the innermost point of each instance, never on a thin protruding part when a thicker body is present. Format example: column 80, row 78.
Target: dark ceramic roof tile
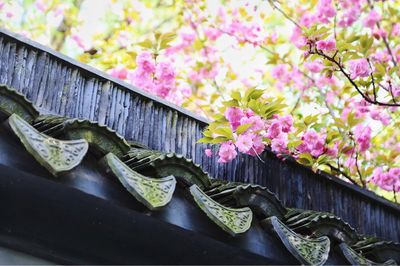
column 355, row 258
column 321, row 223
column 101, row 137
column 159, row 164
column 378, row 250
column 13, row 102
column 262, row 201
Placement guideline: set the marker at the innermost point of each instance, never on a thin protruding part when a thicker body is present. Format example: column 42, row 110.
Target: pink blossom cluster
column 372, row 18
column 119, row 72
column 359, row 68
column 326, row 45
column 158, row 79
column 325, row 11
column 251, row 140
column 387, row 180
column 285, row 76
column 362, row 109
column 246, row 32
column 351, row 12
column 362, row 136
column 187, row 38
column 313, row 143
column 315, row 66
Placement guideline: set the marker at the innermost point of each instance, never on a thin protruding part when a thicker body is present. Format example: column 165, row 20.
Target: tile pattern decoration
column 233, row 206
column 55, row 155
column 152, row 192
column 233, row 221
column 309, row 251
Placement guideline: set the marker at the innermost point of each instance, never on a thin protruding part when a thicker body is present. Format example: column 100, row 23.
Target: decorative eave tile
column 233, row 221
column 152, row 192
column 355, row 258
column 309, row 251
column 57, row 156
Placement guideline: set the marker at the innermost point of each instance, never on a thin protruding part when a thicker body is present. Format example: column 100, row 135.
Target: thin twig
column 343, row 174
column 385, row 41
column 272, row 2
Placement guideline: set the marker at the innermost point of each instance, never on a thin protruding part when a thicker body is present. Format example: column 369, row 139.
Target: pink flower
column 244, row 142
column 280, row 72
column 380, row 33
column 119, row 72
column 333, row 151
column 359, row 68
column 380, row 115
column 328, row 45
column 141, row 79
column 162, row 89
column 388, row 181
column 349, row 17
column 256, row 122
column 165, row 73
column 396, row 29
column 315, row 66
column 279, row 145
column 274, row 130
column 372, row 19
column 212, row 33
column 234, row 114
column 381, row 56
column 313, row 143
column 286, row 123
column 297, row 38
column 363, row 137
column 308, row 19
column 208, row 152
column 145, row 62
column 227, row 152
column 258, row 145
column 325, row 10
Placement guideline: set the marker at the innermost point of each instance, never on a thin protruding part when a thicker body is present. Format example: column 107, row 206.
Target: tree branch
column 341, row 69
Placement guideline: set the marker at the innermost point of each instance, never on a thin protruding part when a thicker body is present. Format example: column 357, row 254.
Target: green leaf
column 219, row 140
column 243, row 128
column 294, row 143
column 224, row 131
column 146, row 44
column 305, row 158
column 236, row 95
column 231, row 103
column 206, row 140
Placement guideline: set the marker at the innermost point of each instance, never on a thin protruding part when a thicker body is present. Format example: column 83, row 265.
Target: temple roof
column 95, row 159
